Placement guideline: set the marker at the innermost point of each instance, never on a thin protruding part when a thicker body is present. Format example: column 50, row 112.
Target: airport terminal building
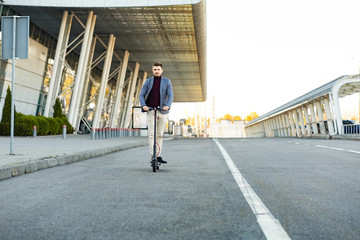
column 95, row 55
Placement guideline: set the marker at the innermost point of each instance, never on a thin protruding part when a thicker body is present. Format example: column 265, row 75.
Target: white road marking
column 270, row 226
column 338, row 149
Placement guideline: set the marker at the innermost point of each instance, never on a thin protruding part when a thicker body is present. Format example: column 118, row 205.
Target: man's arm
column 143, row 92
column 170, row 95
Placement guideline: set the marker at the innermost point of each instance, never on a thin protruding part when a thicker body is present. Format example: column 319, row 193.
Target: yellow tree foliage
column 251, row 116
column 237, row 118
column 188, row 121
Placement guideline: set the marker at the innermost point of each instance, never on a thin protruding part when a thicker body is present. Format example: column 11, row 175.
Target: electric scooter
column 155, row 164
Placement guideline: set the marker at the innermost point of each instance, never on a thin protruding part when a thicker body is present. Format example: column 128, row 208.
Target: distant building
column 227, row 129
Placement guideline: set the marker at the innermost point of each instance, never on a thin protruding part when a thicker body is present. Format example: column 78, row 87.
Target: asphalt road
column 311, row 186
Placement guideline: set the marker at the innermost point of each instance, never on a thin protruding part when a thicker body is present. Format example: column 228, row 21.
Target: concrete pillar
column 329, row 117
column 320, row 114
column 271, row 125
column 307, row 119
column 287, row 125
column 104, row 80
column 282, row 126
column 79, row 72
column 290, row 119
column 296, row 117
column 301, row 119
column 313, row 119
column 269, row 130
column 118, row 90
column 130, row 97
column 337, row 111
column 275, row 127
column 58, row 62
column 266, row 128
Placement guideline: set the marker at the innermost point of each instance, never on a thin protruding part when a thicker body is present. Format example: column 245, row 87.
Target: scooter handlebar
column 154, row 108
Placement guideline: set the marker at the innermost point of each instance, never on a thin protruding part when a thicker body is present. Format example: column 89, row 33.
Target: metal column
column 104, row 80
column 86, row 89
column 82, row 62
column 138, row 90
column 59, row 59
column 130, row 97
column 87, row 63
column 118, row 91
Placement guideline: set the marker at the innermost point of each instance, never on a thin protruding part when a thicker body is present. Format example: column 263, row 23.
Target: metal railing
column 104, row 133
column 351, row 130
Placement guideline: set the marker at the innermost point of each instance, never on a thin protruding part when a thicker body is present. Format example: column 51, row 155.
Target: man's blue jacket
column 166, row 93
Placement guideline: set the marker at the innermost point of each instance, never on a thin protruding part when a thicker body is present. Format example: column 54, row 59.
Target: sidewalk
column 32, row 154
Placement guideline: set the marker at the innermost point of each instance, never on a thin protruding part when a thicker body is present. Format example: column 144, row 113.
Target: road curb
column 39, row 164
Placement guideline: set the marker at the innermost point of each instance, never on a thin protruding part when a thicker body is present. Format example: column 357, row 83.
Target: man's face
column 157, row 71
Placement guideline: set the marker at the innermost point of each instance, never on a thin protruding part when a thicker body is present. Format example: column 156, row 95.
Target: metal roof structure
column 342, row 86
column 150, row 30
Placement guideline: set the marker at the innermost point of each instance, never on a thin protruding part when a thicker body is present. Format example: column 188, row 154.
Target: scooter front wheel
column 153, row 165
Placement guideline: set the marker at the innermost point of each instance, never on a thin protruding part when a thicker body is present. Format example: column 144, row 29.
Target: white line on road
column 270, row 226
column 339, row 149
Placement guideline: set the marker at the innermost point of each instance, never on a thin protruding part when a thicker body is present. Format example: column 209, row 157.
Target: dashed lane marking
column 338, row 149
column 270, row 226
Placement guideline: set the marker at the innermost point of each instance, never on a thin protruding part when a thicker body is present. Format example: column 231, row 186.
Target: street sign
column 14, row 44
column 21, row 37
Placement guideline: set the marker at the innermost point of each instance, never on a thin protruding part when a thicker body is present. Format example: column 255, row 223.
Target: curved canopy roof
column 345, row 89
column 151, row 30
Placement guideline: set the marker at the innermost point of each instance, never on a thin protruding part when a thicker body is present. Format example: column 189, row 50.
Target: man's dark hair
column 157, row 64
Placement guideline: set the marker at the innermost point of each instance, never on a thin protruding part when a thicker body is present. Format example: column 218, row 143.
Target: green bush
column 19, row 115
column 69, row 128
column 24, row 125
column 22, row 129
column 44, row 126
column 53, row 126
column 5, row 129
column 61, row 124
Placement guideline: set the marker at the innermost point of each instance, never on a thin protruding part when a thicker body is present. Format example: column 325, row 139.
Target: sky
column 262, row 54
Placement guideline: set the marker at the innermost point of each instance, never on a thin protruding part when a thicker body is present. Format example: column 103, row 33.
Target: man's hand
column 145, row 108
column 166, row 108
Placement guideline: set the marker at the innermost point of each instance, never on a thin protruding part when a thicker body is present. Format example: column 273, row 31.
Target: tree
column 6, row 115
column 57, row 109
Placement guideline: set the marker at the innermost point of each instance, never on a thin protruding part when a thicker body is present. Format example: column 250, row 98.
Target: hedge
column 44, row 126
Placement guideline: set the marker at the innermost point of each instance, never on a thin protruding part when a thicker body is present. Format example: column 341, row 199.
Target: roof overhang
column 172, row 33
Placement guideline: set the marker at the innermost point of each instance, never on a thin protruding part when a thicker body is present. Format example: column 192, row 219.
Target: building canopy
column 150, row 30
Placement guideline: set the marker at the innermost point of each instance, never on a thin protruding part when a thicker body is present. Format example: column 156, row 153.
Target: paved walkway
column 32, row 154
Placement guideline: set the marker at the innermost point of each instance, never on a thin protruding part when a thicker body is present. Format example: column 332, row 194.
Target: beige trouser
column 161, row 120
